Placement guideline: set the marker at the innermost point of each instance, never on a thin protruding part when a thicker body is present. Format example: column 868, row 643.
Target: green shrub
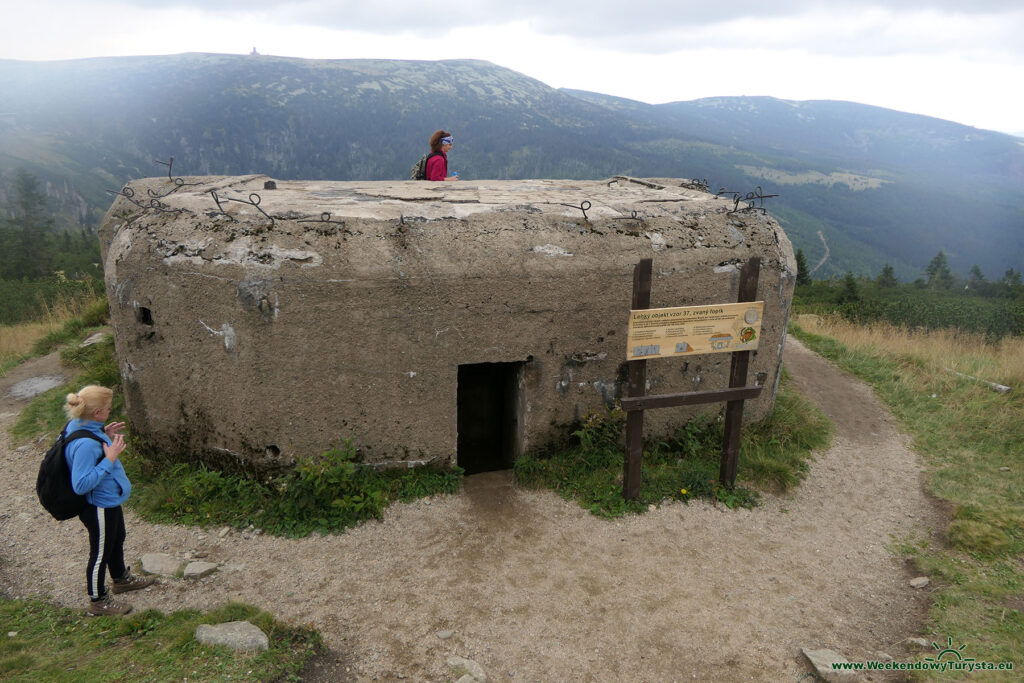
column 324, row 493
column 915, row 308
column 773, row 454
column 979, row 537
column 96, row 314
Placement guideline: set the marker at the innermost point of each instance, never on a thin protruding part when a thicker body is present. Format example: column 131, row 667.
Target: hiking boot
column 106, row 607
column 130, row 582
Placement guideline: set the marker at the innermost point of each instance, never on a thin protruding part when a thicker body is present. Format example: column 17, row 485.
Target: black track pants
column 106, row 547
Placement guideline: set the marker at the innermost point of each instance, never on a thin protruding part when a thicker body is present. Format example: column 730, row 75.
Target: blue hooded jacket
column 104, row 483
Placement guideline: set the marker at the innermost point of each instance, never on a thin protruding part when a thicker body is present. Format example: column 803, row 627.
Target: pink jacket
column 437, row 167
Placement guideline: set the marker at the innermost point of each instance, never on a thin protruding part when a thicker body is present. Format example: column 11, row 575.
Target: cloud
column 840, row 27
column 979, row 28
column 562, row 17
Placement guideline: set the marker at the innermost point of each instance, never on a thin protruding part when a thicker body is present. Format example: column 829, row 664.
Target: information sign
column 688, row 330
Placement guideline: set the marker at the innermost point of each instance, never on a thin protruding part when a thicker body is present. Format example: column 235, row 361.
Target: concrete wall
column 248, row 339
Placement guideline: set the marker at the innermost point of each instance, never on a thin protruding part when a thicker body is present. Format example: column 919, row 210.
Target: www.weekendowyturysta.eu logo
column 949, row 653
column 948, row 658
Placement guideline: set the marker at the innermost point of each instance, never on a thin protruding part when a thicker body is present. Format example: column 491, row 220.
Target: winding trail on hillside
column 534, row 588
column 823, row 258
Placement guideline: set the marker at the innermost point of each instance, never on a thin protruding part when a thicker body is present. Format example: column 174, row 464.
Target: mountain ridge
column 882, row 186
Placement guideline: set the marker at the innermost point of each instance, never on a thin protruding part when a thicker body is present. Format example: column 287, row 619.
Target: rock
column 197, row 570
column 466, row 678
column 445, row 635
column 237, row 635
column 469, row 668
column 883, row 657
column 1004, row 469
column 33, row 386
column 822, row 661
column 224, row 532
column 920, row 582
column 919, row 642
column 93, row 339
column 160, row 563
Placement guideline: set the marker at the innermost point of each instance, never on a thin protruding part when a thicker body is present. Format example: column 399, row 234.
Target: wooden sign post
column 637, row 387
column 734, row 396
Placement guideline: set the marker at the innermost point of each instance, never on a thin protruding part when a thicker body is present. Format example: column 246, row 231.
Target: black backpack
column 419, row 169
column 53, row 484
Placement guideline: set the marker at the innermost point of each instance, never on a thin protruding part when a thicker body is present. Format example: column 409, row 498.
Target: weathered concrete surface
column 251, row 334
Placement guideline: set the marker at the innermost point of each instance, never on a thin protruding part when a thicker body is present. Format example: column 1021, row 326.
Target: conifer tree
column 26, row 236
column 849, row 293
column 887, row 278
column 803, row 276
column 938, row 273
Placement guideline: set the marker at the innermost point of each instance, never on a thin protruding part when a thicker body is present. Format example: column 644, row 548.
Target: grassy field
column 51, row 324
column 42, row 643
column 972, row 438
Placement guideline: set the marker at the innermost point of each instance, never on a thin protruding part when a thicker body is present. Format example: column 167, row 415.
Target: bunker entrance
column 488, row 420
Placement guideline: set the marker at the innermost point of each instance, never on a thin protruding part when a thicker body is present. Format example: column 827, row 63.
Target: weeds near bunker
column 972, row 439
column 322, row 494
column 774, row 455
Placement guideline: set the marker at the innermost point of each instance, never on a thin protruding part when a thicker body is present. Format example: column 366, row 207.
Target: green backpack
column 419, row 169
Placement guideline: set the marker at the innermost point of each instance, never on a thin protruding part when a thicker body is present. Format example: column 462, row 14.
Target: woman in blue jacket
column 97, row 473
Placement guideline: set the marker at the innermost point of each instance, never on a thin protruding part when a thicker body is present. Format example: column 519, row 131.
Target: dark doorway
column 488, row 420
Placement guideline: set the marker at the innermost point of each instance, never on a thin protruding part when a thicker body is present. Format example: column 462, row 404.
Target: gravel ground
column 535, row 589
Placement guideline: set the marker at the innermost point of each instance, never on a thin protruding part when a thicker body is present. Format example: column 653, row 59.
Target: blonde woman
column 97, row 473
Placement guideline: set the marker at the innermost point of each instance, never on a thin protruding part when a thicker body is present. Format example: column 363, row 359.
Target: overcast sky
column 960, row 60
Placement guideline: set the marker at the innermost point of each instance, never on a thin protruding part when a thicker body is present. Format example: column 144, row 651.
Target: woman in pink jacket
column 437, row 164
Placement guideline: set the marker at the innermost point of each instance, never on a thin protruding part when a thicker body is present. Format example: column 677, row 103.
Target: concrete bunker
column 451, row 323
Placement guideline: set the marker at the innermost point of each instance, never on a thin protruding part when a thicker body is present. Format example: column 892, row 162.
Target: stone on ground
column 197, row 570
column 237, row 635
column 822, row 661
column 160, row 563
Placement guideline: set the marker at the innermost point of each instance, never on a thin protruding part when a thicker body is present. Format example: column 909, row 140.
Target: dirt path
column 535, row 589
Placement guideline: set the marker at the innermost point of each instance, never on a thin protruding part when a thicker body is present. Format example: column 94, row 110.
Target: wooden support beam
column 737, row 378
column 637, row 388
column 689, row 398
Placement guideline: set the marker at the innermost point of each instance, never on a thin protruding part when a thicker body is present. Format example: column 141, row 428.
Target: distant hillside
column 881, row 186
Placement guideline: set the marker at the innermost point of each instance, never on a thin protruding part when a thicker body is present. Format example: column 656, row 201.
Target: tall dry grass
column 16, row 341
column 948, row 350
